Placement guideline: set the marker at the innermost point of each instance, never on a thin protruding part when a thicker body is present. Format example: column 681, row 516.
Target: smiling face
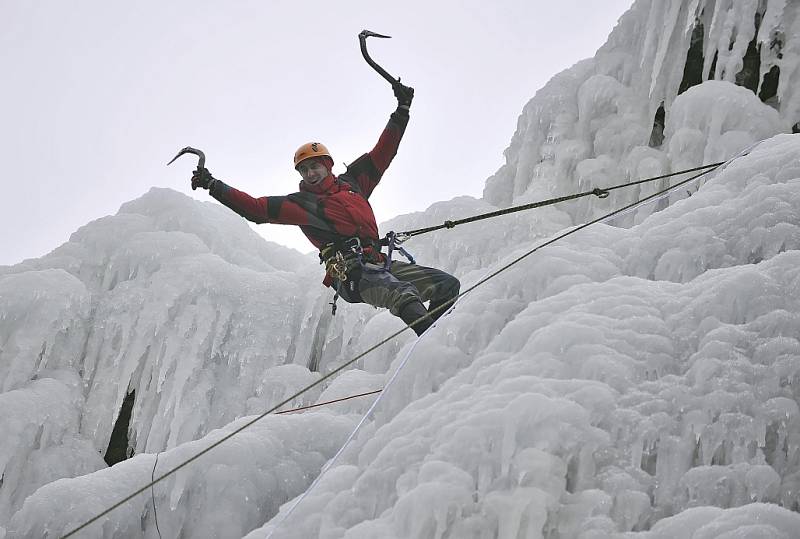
column 313, row 170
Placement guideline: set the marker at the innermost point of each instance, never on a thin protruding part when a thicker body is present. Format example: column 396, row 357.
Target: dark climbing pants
column 403, row 290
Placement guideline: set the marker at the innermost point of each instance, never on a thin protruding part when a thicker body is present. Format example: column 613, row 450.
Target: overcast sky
column 97, row 95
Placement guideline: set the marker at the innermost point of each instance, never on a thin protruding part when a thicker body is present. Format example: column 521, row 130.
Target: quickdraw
column 394, row 241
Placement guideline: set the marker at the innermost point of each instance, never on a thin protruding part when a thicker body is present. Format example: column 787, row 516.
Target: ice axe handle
column 362, row 38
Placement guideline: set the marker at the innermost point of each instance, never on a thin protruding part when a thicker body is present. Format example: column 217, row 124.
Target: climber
column 335, row 215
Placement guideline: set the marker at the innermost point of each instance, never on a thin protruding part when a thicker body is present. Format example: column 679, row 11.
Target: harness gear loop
column 337, row 266
column 341, row 258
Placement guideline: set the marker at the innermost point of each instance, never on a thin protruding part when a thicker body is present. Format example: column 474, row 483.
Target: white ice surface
column 637, row 380
column 248, row 476
column 626, row 376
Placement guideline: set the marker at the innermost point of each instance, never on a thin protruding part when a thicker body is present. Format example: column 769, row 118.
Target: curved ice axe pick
column 362, row 37
column 201, row 162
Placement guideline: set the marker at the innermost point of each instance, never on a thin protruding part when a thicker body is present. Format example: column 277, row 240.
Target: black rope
column 300, row 409
column 600, row 193
column 343, row 366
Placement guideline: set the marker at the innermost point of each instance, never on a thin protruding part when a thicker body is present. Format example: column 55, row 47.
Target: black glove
column 404, row 94
column 202, row 178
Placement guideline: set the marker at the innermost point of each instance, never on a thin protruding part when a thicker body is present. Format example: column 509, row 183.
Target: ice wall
column 179, row 302
column 624, row 380
column 225, row 494
column 637, row 380
column 597, row 123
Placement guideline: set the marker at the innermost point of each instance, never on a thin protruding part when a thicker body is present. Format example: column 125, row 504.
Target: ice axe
column 362, row 37
column 201, row 162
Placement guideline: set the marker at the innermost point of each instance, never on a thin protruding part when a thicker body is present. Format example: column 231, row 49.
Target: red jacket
column 335, row 209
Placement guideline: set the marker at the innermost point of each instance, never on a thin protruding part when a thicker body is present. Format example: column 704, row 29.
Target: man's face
column 312, row 170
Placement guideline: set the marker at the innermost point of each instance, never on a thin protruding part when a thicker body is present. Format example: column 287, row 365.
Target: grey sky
column 97, row 96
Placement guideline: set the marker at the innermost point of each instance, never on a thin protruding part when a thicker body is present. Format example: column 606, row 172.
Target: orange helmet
column 310, row 149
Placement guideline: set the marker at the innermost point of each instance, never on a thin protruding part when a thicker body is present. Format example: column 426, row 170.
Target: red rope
column 329, row 402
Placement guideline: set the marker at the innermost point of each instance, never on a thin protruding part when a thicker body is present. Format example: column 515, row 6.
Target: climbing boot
column 412, row 312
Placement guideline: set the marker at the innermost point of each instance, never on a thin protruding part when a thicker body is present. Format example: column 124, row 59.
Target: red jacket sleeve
column 368, row 169
column 294, row 209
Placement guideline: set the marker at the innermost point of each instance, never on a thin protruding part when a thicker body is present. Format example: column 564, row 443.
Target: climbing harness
column 346, row 260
